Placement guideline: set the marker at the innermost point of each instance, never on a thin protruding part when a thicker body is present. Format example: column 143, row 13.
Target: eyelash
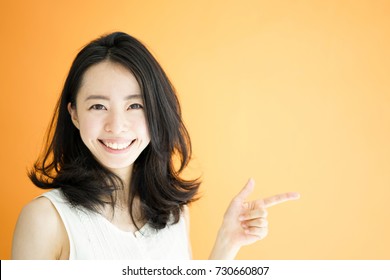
column 98, row 107
column 136, row 105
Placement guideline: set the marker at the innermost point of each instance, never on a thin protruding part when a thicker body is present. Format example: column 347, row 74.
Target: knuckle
column 263, row 222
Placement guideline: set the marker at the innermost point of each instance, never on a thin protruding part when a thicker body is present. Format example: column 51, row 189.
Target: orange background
column 295, row 94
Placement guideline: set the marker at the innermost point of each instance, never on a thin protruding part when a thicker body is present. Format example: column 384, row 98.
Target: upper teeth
column 117, row 146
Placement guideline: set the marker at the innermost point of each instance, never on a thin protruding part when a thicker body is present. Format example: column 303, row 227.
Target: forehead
column 109, row 79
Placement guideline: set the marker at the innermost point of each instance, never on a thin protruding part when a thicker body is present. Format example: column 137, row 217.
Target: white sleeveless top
column 93, row 237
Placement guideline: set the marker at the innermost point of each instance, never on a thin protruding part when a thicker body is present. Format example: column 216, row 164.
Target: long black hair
column 67, row 163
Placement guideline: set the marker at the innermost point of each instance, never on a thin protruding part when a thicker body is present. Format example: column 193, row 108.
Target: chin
column 123, row 167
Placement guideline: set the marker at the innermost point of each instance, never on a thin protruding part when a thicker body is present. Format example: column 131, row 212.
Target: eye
column 135, row 106
column 97, row 107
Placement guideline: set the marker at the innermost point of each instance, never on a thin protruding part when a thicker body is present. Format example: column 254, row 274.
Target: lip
column 117, row 141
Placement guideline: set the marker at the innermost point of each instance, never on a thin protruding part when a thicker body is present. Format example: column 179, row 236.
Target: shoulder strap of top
column 70, row 217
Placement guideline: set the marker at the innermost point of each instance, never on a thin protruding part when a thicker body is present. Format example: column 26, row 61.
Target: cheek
column 143, row 128
column 89, row 128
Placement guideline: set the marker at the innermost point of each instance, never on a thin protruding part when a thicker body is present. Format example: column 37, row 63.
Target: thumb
column 246, row 190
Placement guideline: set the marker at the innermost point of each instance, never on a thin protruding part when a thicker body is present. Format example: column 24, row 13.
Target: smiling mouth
column 117, row 146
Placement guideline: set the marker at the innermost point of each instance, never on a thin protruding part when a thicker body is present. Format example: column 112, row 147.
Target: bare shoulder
column 40, row 232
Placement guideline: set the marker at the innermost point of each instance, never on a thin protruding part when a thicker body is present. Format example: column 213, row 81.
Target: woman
column 110, row 160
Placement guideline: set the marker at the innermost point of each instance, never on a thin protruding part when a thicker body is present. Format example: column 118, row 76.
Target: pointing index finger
column 280, row 198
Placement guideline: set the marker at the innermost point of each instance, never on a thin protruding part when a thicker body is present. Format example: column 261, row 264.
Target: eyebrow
column 103, row 97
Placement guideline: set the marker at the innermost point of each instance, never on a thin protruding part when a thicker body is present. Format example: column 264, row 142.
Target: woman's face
column 110, row 116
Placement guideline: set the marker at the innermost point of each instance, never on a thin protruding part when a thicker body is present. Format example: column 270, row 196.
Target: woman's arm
column 40, row 233
column 186, row 214
column 245, row 222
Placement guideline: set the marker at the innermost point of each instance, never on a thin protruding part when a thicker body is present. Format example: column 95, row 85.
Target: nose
column 116, row 123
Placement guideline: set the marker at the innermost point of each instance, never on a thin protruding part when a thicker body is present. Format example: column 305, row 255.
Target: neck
column 123, row 194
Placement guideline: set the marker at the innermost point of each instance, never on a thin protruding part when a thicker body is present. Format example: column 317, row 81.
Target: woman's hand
column 245, row 222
